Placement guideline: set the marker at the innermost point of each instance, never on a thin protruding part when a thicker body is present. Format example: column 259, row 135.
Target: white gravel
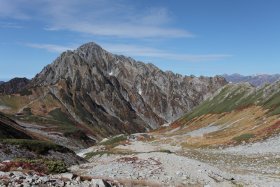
column 168, row 169
column 271, row 145
column 156, row 167
column 205, row 130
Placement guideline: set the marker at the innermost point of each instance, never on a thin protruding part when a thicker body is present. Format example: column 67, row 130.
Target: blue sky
column 199, row 37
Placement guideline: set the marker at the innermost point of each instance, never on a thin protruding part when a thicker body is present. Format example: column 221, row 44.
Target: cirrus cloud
column 138, row 51
column 113, row 18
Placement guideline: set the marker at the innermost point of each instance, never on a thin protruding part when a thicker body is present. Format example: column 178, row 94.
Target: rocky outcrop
column 13, row 86
column 10, row 129
column 117, row 93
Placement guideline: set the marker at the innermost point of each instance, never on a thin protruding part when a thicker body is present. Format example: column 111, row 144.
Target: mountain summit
column 118, row 82
column 108, row 94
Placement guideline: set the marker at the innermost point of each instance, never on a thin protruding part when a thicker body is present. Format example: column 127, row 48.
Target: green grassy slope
column 238, row 96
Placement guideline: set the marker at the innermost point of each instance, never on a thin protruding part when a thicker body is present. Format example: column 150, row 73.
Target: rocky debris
column 30, row 150
column 161, row 168
column 100, row 183
column 13, row 86
column 140, row 137
column 21, row 179
column 271, row 145
column 150, row 161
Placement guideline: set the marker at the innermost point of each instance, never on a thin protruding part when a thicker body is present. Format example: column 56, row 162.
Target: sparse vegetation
column 165, row 151
column 273, row 104
column 227, row 100
column 27, row 111
column 58, row 115
column 243, row 137
column 38, row 165
column 39, row 147
column 25, row 92
column 114, row 141
column 107, row 152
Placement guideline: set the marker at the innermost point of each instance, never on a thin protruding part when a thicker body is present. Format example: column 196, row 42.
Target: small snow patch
column 166, row 125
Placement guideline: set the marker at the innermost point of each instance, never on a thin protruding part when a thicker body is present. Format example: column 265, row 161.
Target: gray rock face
column 117, row 92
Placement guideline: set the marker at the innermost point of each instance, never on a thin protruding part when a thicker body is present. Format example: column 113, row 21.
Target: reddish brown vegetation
column 20, row 165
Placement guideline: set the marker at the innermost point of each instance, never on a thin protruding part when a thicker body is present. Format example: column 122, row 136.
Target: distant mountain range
column 15, row 85
column 1, row 82
column 255, row 80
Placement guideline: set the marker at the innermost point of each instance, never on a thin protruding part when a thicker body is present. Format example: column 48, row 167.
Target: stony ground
column 23, row 179
column 154, row 164
column 143, row 160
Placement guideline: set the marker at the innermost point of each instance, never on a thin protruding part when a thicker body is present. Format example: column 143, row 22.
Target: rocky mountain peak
column 104, row 87
column 91, row 46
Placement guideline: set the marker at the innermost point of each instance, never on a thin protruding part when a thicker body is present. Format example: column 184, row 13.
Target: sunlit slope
column 237, row 113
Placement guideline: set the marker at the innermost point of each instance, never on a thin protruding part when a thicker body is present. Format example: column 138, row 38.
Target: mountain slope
column 256, row 80
column 236, row 113
column 104, row 94
column 10, row 129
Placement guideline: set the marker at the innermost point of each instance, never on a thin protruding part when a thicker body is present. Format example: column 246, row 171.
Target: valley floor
column 148, row 159
column 149, row 162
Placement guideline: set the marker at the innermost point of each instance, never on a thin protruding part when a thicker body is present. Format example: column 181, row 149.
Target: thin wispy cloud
column 142, row 51
column 12, row 9
column 138, row 51
column 10, row 25
column 50, row 47
column 113, row 18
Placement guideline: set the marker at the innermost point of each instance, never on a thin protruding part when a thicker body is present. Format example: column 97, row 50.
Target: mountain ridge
column 256, row 80
column 14, row 85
